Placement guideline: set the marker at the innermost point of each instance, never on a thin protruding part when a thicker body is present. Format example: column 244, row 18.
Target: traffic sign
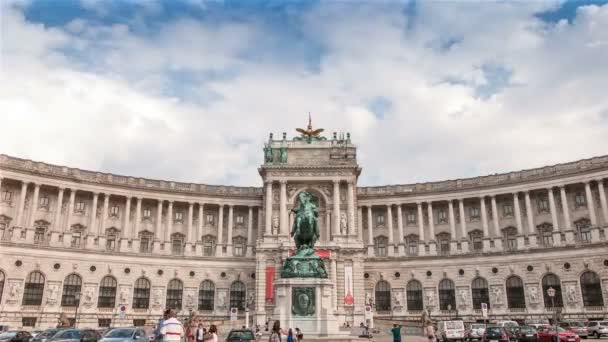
column 234, row 314
column 368, row 312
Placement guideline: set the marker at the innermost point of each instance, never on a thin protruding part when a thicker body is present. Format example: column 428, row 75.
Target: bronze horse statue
column 305, row 230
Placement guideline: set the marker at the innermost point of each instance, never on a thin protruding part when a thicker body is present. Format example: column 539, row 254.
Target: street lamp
column 77, row 299
column 551, row 293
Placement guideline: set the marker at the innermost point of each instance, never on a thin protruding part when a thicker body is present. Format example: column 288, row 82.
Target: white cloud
column 194, row 101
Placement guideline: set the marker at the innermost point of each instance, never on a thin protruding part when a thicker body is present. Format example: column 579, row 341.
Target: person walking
column 172, row 329
column 299, row 335
column 429, row 331
column 199, row 334
column 213, row 333
column 157, row 336
column 290, row 335
column 275, row 334
column 396, row 331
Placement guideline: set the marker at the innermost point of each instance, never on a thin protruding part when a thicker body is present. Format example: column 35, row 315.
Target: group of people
column 170, row 329
column 276, row 332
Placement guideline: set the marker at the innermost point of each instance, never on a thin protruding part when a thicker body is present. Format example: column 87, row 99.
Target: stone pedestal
column 570, row 237
column 315, row 319
column 464, row 246
column 486, row 244
column 595, row 234
column 498, row 244
column 401, row 249
column 521, row 242
column 124, row 245
column 532, row 241
column 432, row 248
column 557, row 239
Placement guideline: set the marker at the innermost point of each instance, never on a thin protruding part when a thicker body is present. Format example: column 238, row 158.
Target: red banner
column 270, row 271
column 322, row 253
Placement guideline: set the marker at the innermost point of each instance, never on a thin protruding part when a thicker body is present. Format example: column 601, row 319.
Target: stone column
column 220, row 231
column 566, row 213
column 452, row 219
column 190, row 237
column 334, row 280
column 484, row 223
column 401, row 247
column 336, row 210
column 230, row 227
column 201, row 222
column 169, row 225
column 595, row 233
column 556, row 233
column 497, row 233
column 136, row 232
column 249, row 248
column 360, row 223
column 283, row 216
column 389, row 220
column 70, row 210
column 421, row 248
column 463, row 227
column 93, row 221
column 370, row 232
column 520, row 229
column 603, row 203
column 327, row 225
column 432, row 237
column 530, row 216
column 102, row 227
column 57, row 224
column 21, row 208
column 127, row 224
column 34, row 207
column 260, row 231
column 268, row 215
column 159, row 220
column 350, row 204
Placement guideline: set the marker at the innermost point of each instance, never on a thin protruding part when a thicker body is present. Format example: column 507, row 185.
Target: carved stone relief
column 52, row 294
column 497, row 295
column 157, row 296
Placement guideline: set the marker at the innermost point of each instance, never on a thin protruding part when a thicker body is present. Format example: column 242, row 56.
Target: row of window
column 590, row 286
column 474, row 212
column 72, row 292
column 545, row 233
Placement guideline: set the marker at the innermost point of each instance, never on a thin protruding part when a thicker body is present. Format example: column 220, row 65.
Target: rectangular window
column 114, row 211
column 28, row 321
column 238, row 249
column 444, row 247
column 580, row 200
column 147, row 213
column 144, row 245
column 477, row 242
column 543, row 205
column 43, row 202
column 412, row 248
column 139, row 323
column 111, row 243
column 411, row 218
column 381, row 251
column 210, row 219
column 441, row 216
column 240, row 219
column 75, row 240
column 511, row 242
column 177, row 247
column 6, row 196
column 179, row 216
column 507, row 210
column 39, row 236
column 547, row 238
column 474, row 213
column 104, row 322
column 208, row 248
column 380, row 219
column 79, row 207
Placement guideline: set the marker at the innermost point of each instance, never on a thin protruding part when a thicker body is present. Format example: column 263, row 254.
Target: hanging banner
column 348, row 285
column 270, row 271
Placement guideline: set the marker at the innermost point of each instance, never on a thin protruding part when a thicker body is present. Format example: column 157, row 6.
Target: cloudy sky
column 189, row 90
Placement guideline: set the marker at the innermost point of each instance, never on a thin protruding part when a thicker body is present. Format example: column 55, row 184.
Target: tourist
column 430, row 331
column 189, row 332
column 212, row 333
column 157, row 336
column 299, row 335
column 172, row 329
column 396, row 331
column 275, row 334
column 200, row 333
column 290, row 335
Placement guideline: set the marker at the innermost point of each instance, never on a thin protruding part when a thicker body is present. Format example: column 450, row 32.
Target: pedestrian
column 299, row 335
column 157, row 336
column 430, row 331
column 396, row 331
column 172, row 329
column 200, row 333
column 275, row 334
column 290, row 335
column 213, row 333
column 189, row 332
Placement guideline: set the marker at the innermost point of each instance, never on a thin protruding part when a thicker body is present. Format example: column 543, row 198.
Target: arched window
column 206, row 294
column 447, row 295
column 34, row 289
column 141, row 294
column 107, row 292
column 383, row 296
column 480, row 293
column 414, row 296
column 175, row 289
column 515, row 293
column 1, row 285
column 552, row 281
column 591, row 289
column 71, row 287
column 380, row 243
column 237, row 295
column 583, row 230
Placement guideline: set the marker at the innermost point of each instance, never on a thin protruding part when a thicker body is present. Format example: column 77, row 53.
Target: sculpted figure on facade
column 497, row 292
column 268, row 154
column 124, row 295
column 275, row 224
column 571, row 293
column 463, row 297
column 428, row 295
column 343, row 227
column 396, row 298
column 368, row 298
column 51, row 296
column 89, row 295
column 13, row 291
column 533, row 290
column 158, row 296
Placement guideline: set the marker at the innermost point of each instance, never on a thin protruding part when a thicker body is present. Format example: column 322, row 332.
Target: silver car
column 597, row 328
column 125, row 335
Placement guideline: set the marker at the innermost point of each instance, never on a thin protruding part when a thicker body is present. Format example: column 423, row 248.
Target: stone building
column 86, row 245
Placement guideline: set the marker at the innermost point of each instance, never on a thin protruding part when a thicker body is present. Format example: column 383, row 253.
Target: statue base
column 304, row 264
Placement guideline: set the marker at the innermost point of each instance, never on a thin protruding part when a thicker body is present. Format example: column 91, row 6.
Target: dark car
column 526, row 333
column 495, row 334
column 45, row 335
column 241, row 335
column 15, row 336
column 75, row 335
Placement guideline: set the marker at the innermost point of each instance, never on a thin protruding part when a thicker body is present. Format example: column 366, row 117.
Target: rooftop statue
column 304, row 263
column 309, row 134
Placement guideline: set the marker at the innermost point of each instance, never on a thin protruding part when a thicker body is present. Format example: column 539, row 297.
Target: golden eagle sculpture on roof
column 309, row 134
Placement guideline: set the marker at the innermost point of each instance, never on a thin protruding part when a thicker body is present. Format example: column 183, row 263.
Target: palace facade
column 104, row 249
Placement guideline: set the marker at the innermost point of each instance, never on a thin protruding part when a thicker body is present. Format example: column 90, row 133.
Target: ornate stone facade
column 117, row 241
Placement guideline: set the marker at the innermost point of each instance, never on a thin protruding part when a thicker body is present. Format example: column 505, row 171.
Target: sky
column 188, row 90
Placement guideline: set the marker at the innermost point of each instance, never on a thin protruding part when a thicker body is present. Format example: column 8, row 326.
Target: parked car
column 450, row 331
column 549, row 334
column 597, row 328
column 75, row 335
column 576, row 327
column 495, row 334
column 241, row 335
column 526, row 333
column 15, row 336
column 475, row 332
column 45, row 335
column 36, row 332
column 125, row 335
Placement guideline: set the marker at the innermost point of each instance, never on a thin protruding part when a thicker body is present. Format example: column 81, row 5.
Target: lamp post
column 77, row 299
column 551, row 293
